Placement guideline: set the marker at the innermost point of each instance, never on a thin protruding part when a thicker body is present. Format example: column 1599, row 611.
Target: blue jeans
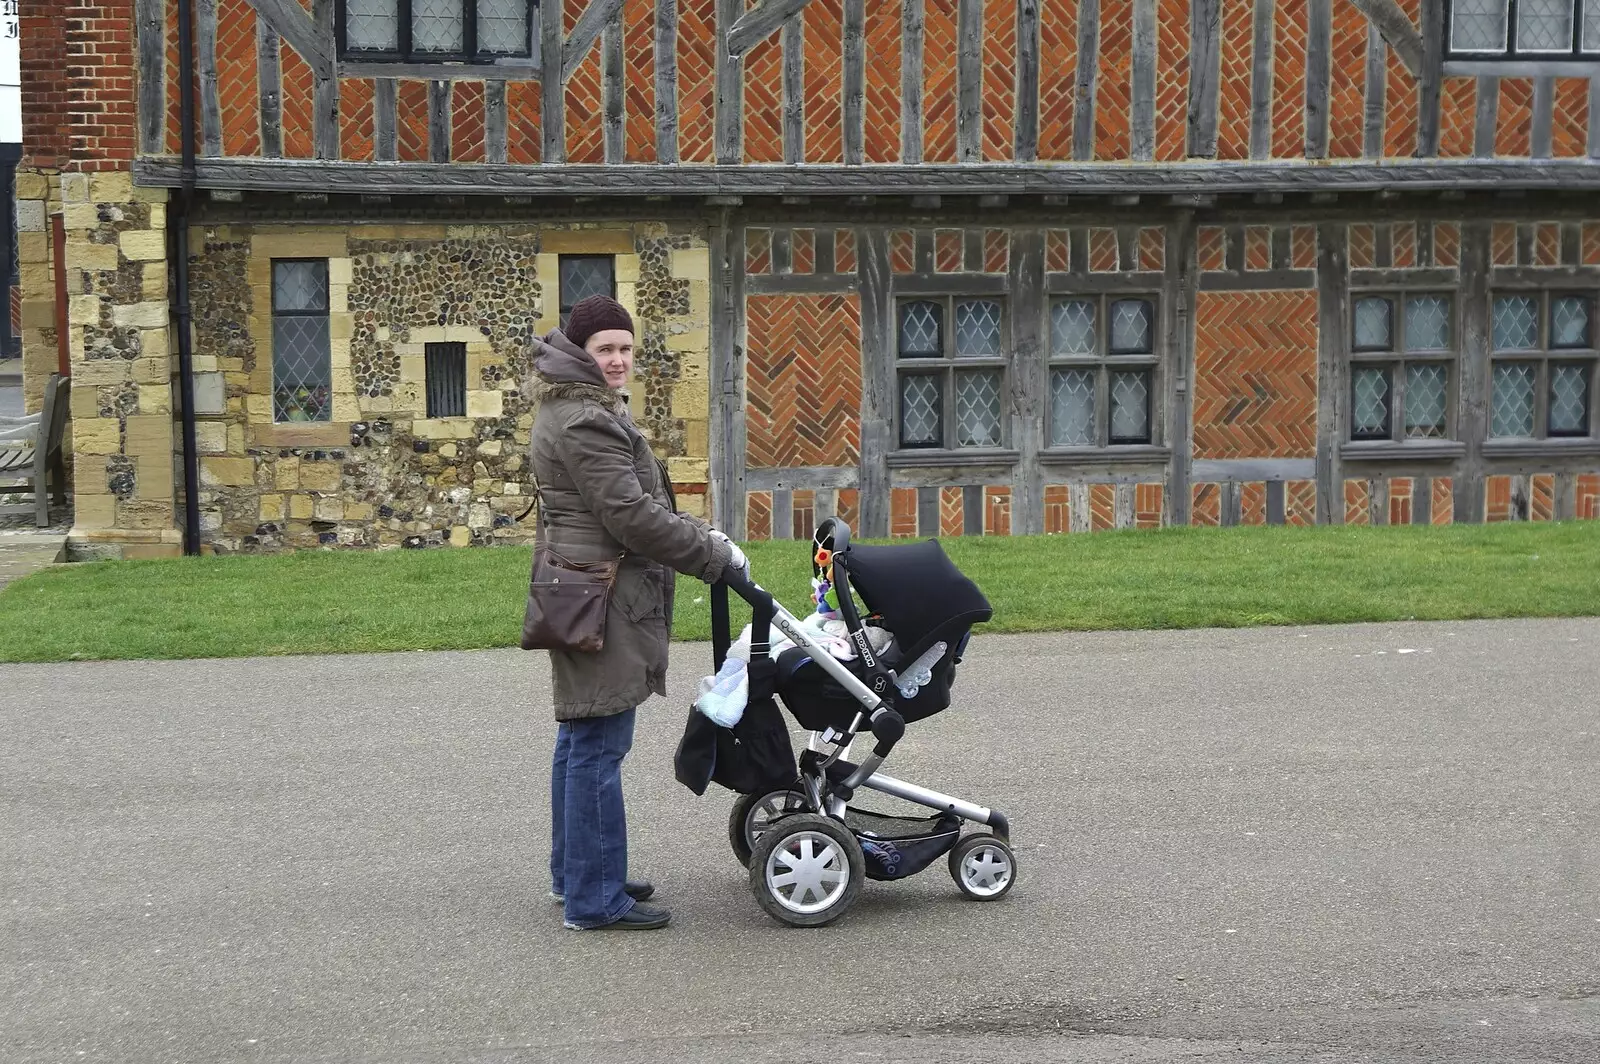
column 588, row 827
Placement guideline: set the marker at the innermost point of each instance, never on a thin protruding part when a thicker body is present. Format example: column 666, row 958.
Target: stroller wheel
column 806, row 870
column 983, row 867
column 754, row 813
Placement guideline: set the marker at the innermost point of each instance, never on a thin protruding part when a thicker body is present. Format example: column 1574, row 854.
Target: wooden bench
column 31, row 460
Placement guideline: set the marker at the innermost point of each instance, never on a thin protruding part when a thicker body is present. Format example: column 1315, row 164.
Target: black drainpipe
column 178, row 223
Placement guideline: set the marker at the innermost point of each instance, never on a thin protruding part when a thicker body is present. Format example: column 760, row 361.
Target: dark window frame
column 445, row 379
column 945, row 365
column 1511, row 53
column 404, row 52
column 325, row 312
column 1104, row 363
column 1545, row 355
column 563, row 306
column 1394, row 360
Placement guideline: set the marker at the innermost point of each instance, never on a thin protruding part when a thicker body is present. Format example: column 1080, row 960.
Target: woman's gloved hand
column 736, row 558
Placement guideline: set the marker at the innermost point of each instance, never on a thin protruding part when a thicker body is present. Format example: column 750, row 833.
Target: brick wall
column 45, row 86
column 100, row 82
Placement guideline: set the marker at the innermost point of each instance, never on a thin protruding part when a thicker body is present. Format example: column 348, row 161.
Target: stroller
column 807, row 848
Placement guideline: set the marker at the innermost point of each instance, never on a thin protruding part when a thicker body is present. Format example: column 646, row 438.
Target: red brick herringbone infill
column 999, row 95
column 844, row 250
column 356, row 119
column 1255, row 375
column 1205, row 506
column 1404, row 244
column 1444, row 501
column 524, row 136
column 902, row 251
column 1152, row 248
column 939, row 81
column 763, row 101
column 1514, row 129
column 803, row 251
column 804, row 380
column 1357, row 503
column 1114, row 81
column 1348, row 82
column 172, row 78
column 639, row 107
column 902, row 512
column 758, row 250
column 1058, row 63
column 1172, row 81
column 996, row 510
column 1057, row 251
column 952, row 513
column 1289, row 80
column 585, row 109
column 297, row 106
column 1233, row 99
column 697, row 56
column 758, row 515
column 1102, row 507
column 1401, row 99
column 824, row 39
column 947, row 250
column 238, row 94
column 1569, row 130
column 882, row 104
column 1057, row 509
column 1446, row 243
column 1458, row 109
column 467, row 120
column 411, row 121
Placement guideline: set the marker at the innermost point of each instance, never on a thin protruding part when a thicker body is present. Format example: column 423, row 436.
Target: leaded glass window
column 1532, row 29
column 302, row 372
column 436, row 30
column 583, row 276
column 1403, row 353
column 1543, row 380
column 1102, row 372
column 952, row 360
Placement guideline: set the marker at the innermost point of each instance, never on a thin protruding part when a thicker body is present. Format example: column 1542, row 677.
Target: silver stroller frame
column 805, row 860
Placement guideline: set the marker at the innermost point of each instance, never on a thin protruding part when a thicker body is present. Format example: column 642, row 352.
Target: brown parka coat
column 603, row 494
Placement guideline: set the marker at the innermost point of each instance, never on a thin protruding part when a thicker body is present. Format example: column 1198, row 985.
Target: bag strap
column 721, row 632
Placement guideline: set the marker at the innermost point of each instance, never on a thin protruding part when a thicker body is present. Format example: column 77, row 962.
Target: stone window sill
column 1579, row 447
column 1133, row 452
column 938, row 457
column 1410, row 450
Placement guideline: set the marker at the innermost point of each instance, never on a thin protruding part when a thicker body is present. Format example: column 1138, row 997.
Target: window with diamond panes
column 1543, row 380
column 436, row 30
column 583, row 276
column 1523, row 29
column 1102, row 371
column 1403, row 346
column 302, row 372
column 951, row 362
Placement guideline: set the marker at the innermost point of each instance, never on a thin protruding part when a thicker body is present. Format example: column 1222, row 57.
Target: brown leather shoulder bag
column 567, row 603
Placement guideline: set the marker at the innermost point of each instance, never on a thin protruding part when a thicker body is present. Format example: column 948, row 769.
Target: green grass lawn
column 1175, row 578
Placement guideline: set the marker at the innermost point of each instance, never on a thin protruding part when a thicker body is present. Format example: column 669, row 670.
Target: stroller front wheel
column 983, row 867
column 806, row 870
column 753, row 814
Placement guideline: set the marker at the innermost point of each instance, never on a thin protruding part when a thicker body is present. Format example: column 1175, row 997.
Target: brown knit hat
column 596, row 314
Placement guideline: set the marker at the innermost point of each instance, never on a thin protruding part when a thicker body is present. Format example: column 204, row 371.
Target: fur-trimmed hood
column 563, row 370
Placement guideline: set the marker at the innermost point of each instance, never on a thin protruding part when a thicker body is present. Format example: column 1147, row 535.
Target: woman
column 603, row 494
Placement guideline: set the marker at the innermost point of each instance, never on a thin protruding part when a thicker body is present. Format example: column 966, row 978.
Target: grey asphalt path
column 1366, row 843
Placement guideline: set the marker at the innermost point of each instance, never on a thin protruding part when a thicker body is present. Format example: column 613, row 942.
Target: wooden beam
column 753, row 26
column 911, row 45
column 553, row 88
column 855, row 74
column 1083, row 93
column 1179, row 289
column 929, row 510
column 151, row 24
column 1241, row 178
column 269, row 80
column 1319, row 74
column 969, row 80
column 1473, row 412
column 205, row 45
column 1261, row 80
column 1026, row 145
column 792, row 40
column 385, row 131
column 293, row 23
column 1029, row 378
column 727, row 128
column 324, row 91
column 1390, row 20
column 1333, row 353
column 1142, row 146
column 667, row 87
column 728, row 437
column 439, row 125
column 494, row 121
column 1431, row 80
column 1486, row 120
column 1594, row 116
column 877, row 379
column 1205, row 72
column 1377, row 83
column 585, row 32
column 1544, row 92
column 613, row 93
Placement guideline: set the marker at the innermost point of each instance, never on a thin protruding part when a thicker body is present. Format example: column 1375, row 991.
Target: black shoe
column 637, row 889
column 638, row 918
